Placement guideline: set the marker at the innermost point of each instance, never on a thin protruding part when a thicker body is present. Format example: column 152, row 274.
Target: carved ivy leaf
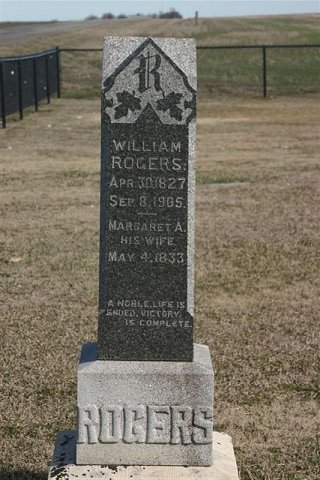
column 121, row 111
column 108, row 103
column 176, row 112
column 190, row 104
column 170, row 102
column 127, row 102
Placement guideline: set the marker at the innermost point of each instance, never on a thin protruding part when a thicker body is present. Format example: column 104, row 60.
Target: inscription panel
column 144, row 254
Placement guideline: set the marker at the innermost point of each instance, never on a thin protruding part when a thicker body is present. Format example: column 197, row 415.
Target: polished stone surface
column 147, row 199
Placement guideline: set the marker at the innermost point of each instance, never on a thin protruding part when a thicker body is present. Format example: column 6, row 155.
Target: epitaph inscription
column 145, row 312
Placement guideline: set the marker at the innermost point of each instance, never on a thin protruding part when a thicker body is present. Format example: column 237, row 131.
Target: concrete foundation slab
column 63, row 465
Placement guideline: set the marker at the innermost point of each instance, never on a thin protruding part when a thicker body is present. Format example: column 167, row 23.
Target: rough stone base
column 145, row 413
column 63, row 465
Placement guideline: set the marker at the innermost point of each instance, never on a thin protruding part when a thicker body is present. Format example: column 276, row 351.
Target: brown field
column 231, row 71
column 257, row 277
column 18, row 39
column 257, row 254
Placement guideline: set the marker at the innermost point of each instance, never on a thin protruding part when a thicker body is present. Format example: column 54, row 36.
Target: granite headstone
column 145, row 391
column 147, row 199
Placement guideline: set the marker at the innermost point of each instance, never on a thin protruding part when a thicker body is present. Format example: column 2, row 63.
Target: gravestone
column 133, row 408
column 145, row 390
column 147, row 200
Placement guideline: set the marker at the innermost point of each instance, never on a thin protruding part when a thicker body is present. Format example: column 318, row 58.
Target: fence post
column 47, row 78
column 264, row 70
column 3, row 102
column 35, row 89
column 58, row 72
column 20, row 89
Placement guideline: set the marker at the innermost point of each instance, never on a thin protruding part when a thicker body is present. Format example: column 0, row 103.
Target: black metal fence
column 236, row 69
column 267, row 70
column 227, row 69
column 25, row 81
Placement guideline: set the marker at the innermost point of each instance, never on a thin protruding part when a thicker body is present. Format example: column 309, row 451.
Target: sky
column 43, row 10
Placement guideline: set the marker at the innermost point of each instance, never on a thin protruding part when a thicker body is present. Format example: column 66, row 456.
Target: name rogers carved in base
column 150, row 424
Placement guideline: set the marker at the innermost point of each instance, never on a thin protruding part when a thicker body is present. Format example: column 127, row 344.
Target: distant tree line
column 109, row 16
column 171, row 14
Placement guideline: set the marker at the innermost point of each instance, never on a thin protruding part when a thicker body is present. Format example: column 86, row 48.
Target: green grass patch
column 11, row 430
column 308, row 390
column 236, row 70
column 85, row 93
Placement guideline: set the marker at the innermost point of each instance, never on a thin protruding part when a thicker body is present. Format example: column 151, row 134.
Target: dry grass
column 210, row 31
column 290, row 71
column 257, row 278
column 257, row 258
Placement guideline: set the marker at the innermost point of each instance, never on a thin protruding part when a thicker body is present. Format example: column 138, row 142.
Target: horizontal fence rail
column 26, row 80
column 260, row 69
column 222, row 69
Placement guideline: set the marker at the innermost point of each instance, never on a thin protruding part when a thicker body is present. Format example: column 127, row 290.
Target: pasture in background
column 257, row 262
column 231, row 58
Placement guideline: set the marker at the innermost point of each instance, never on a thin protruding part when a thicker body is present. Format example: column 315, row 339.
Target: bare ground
column 257, row 277
column 13, row 33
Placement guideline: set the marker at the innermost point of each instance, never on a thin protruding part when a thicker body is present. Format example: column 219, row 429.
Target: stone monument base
column 63, row 464
column 150, row 413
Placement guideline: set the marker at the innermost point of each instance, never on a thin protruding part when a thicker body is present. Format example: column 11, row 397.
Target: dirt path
column 31, row 31
column 26, row 32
